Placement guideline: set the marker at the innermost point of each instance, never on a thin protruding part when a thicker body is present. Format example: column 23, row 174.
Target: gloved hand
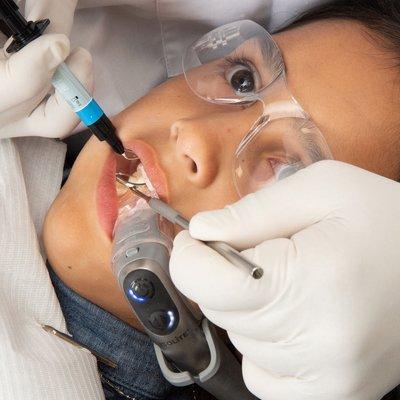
column 25, row 108
column 323, row 322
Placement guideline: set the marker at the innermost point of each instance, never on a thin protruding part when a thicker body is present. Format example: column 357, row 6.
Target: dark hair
column 382, row 17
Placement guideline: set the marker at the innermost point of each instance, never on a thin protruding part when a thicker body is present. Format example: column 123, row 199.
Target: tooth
column 145, row 178
column 137, row 176
column 141, row 177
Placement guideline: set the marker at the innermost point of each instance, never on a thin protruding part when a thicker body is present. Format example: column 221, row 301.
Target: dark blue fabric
column 138, row 375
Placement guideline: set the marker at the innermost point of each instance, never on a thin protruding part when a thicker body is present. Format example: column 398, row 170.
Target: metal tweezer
column 173, row 216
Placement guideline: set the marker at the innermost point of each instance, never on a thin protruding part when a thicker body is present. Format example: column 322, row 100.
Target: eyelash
column 233, row 61
column 230, row 62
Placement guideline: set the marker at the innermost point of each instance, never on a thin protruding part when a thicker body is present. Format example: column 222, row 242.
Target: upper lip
column 107, row 202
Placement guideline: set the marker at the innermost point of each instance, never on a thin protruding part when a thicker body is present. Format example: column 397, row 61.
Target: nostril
column 194, row 167
column 192, row 164
column 195, row 150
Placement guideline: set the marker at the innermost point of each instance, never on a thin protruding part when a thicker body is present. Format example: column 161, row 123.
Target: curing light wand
column 13, row 24
column 222, row 248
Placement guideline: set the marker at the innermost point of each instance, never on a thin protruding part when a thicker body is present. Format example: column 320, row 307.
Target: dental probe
column 13, row 24
column 70, row 340
column 173, row 216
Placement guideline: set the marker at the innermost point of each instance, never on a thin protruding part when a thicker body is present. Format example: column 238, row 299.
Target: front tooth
column 141, row 177
column 137, row 177
column 145, row 178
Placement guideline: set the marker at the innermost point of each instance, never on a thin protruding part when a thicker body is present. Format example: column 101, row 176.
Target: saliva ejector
column 13, row 24
column 187, row 347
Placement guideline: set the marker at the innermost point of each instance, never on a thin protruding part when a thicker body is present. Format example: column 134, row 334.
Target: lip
column 107, row 200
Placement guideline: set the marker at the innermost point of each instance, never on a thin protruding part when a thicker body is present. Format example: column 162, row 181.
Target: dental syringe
column 13, row 24
column 222, row 248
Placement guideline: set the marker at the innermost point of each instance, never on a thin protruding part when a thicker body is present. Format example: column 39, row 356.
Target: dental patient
column 342, row 69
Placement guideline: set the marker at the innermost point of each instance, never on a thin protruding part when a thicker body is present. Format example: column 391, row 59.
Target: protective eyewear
column 239, row 64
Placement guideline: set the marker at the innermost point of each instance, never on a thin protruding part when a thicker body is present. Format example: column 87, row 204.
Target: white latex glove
column 25, row 107
column 324, row 320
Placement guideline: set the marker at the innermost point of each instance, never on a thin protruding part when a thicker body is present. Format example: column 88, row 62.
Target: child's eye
column 241, row 76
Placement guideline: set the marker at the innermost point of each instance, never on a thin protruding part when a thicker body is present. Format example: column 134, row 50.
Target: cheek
column 72, row 234
column 221, row 193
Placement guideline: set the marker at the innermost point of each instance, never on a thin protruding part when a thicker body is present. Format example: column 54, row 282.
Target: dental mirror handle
column 222, row 248
column 233, row 256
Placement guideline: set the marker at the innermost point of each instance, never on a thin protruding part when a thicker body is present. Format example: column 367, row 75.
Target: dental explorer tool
column 13, row 24
column 70, row 340
column 173, row 216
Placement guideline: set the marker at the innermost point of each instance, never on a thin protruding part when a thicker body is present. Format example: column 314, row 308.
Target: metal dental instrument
column 173, row 216
column 70, row 340
column 13, row 24
column 129, row 155
column 120, row 179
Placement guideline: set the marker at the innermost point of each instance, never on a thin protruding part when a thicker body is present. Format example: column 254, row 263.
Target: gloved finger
column 279, row 357
column 54, row 117
column 267, row 386
column 279, row 210
column 27, row 74
column 210, row 280
column 80, row 63
column 274, row 327
column 60, row 13
column 276, row 320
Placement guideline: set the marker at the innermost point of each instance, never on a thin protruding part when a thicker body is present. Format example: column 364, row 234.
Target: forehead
column 336, row 61
column 339, row 74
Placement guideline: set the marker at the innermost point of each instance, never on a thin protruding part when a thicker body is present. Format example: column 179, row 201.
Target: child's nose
column 197, row 150
column 206, row 144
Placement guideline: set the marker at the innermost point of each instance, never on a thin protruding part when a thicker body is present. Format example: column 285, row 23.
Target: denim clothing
column 138, row 375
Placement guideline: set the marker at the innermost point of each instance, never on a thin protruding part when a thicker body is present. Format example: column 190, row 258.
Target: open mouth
column 136, row 175
column 145, row 171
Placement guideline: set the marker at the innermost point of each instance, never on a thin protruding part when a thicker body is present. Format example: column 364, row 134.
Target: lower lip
column 107, row 199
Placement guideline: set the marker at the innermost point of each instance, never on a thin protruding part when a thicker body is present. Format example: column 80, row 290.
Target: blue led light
column 137, row 298
column 171, row 319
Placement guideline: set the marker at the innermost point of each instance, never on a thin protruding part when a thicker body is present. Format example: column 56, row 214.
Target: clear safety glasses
column 239, row 64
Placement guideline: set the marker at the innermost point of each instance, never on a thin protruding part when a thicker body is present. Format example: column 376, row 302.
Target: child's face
column 334, row 70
